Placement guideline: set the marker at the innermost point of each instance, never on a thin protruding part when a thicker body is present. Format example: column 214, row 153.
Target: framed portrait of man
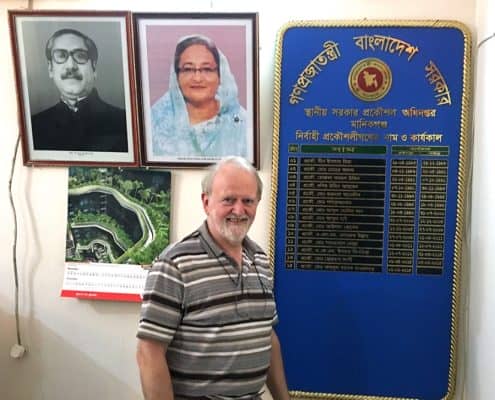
column 75, row 81
column 197, row 79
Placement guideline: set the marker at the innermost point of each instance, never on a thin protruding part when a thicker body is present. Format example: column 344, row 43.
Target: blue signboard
column 370, row 145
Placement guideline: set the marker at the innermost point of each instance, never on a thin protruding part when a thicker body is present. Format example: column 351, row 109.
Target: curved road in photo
column 144, row 220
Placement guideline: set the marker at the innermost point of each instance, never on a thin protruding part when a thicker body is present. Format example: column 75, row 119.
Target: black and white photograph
column 75, row 80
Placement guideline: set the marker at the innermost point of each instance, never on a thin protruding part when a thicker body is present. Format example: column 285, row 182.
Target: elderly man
column 208, row 310
column 81, row 121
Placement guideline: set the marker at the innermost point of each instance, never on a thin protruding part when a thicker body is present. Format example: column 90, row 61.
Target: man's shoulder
column 45, row 115
column 252, row 247
column 45, row 129
column 107, row 108
column 113, row 109
column 109, row 122
column 188, row 246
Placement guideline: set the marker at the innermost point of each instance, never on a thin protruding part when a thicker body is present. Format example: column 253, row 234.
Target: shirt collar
column 75, row 107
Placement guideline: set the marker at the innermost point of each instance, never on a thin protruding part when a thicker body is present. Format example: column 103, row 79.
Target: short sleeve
column 161, row 309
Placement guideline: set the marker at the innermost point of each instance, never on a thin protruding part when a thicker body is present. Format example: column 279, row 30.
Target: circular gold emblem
column 370, row 79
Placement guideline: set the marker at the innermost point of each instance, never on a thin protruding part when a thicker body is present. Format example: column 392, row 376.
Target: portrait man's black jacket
column 95, row 126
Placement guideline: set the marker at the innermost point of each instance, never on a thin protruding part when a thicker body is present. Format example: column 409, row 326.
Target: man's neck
column 235, row 252
column 72, row 102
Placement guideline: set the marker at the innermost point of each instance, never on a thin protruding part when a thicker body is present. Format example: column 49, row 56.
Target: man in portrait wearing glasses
column 208, row 310
column 81, row 120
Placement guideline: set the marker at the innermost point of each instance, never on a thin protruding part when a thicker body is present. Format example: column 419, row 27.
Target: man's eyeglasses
column 80, row 56
column 207, row 72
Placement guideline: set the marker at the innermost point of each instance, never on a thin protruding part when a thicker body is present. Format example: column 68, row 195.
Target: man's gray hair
column 239, row 162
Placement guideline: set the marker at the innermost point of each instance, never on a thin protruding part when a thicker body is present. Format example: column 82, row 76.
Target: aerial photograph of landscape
column 117, row 215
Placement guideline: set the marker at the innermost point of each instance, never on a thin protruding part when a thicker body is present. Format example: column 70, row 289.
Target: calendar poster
column 117, row 223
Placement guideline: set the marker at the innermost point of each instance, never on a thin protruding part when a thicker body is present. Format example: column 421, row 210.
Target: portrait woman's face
column 198, row 75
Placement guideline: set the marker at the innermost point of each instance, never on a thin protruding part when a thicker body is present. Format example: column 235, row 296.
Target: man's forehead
column 233, row 178
column 69, row 40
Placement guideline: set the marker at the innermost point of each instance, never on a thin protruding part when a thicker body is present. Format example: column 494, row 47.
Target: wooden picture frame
column 174, row 131
column 78, row 109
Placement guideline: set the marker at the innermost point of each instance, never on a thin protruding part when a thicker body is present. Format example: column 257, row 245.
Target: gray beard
column 234, row 237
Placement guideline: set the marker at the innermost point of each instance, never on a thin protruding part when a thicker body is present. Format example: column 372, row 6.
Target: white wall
column 82, row 349
column 481, row 357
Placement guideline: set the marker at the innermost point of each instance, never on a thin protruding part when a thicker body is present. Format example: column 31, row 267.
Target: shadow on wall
column 52, row 368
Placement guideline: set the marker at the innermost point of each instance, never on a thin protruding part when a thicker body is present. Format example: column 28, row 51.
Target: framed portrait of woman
column 197, row 79
column 76, row 85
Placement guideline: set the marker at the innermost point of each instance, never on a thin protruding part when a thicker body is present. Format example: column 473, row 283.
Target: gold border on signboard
column 464, row 157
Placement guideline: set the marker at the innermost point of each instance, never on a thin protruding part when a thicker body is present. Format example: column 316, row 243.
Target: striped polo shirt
column 216, row 320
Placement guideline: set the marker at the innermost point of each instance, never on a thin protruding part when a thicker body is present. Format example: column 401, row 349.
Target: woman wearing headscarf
column 200, row 115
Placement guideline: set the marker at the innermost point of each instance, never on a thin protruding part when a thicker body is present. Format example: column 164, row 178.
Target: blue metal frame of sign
column 369, row 173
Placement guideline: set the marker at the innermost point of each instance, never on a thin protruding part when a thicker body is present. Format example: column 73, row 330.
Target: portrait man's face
column 70, row 67
column 198, row 75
